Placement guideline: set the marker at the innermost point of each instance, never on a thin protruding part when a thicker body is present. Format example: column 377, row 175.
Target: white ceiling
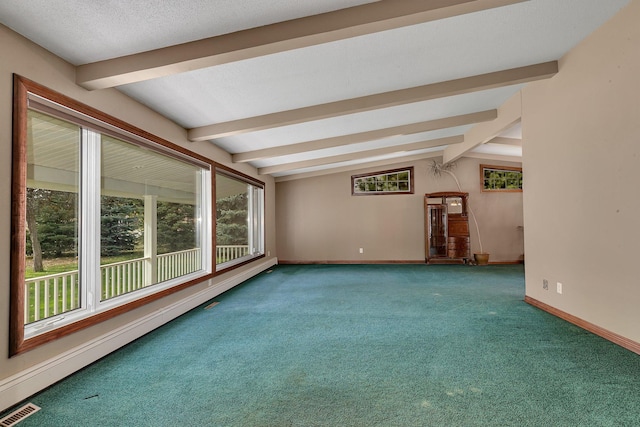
column 495, row 39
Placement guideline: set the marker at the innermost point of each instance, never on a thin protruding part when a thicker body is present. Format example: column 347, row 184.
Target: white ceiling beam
column 269, row 39
column 506, row 141
column 386, row 163
column 377, row 101
column 494, row 157
column 408, row 148
column 337, row 141
column 509, row 113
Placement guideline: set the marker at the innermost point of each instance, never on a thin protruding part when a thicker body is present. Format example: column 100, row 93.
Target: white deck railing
column 54, row 294
column 228, row 252
column 50, row 295
column 178, row 264
column 122, row 277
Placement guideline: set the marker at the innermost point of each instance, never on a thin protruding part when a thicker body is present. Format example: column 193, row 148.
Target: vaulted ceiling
column 303, row 88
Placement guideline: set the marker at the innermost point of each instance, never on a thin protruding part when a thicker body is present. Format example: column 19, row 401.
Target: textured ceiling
column 500, row 38
column 83, row 31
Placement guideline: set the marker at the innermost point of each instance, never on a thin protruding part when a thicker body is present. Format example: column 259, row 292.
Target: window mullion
column 250, row 220
column 205, row 229
column 259, row 218
column 90, row 277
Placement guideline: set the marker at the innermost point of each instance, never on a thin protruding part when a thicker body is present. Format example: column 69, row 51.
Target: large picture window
column 239, row 218
column 105, row 217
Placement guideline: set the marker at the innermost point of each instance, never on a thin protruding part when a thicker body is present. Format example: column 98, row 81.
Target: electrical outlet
column 559, row 287
column 361, row 250
column 268, row 253
column 545, row 284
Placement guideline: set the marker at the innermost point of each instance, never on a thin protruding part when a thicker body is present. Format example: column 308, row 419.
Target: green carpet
column 356, row 345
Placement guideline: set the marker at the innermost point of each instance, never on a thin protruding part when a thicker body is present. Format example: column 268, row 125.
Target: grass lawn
column 65, row 264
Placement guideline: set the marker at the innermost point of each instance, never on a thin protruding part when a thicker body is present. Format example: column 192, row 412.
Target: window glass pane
column 395, row 181
column 239, row 220
column 51, row 272
column 149, row 218
column 232, row 218
column 501, row 179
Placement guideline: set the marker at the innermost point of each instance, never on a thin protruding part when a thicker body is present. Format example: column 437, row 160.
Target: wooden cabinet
column 446, row 228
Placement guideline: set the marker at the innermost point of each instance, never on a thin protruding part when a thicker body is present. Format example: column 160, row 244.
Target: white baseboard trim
column 20, row 386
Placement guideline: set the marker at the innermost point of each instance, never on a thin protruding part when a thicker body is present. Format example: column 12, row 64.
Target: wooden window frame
column 22, row 87
column 499, row 168
column 385, row 172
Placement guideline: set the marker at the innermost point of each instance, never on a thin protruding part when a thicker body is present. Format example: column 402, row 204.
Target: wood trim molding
column 232, row 173
column 46, row 337
column 18, row 211
column 98, row 116
column 514, row 262
column 588, row 326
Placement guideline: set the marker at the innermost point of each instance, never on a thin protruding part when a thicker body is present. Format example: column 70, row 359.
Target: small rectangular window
column 396, row 181
column 500, row 178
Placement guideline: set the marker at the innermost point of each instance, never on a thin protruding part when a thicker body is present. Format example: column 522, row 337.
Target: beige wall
column 319, row 220
column 24, row 374
column 582, row 169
